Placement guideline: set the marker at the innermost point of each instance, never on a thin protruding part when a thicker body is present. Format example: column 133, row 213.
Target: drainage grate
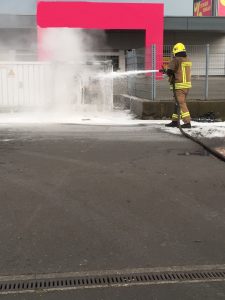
column 75, row 282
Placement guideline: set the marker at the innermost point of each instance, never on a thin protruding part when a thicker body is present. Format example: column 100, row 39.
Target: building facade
column 19, row 37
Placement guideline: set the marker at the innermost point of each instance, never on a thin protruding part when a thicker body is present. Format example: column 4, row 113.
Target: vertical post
column 131, row 63
column 153, row 74
column 207, row 72
column 121, row 61
column 215, row 8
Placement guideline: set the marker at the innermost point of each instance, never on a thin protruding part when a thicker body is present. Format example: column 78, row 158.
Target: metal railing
column 43, row 84
column 18, row 55
column 24, row 84
column 208, row 72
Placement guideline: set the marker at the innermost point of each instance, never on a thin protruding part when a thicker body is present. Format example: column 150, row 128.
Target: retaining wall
column 144, row 109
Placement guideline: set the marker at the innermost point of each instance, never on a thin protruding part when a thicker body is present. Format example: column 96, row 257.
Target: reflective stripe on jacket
column 182, row 70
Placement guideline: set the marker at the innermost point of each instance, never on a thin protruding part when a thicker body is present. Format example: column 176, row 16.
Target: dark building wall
column 18, row 44
column 116, row 39
column 125, row 39
column 194, row 38
column 19, row 33
column 18, row 39
column 24, row 38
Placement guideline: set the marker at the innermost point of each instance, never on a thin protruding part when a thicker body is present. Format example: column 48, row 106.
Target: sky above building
column 172, row 7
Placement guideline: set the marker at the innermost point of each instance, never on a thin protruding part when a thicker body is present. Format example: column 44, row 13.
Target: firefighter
column 179, row 72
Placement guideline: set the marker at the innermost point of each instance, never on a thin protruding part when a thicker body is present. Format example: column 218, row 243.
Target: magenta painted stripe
column 100, row 15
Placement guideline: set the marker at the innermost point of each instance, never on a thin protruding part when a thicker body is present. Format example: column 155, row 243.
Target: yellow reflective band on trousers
column 183, row 115
column 174, row 116
column 187, row 114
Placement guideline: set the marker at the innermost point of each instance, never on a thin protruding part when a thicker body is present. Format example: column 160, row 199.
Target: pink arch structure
column 103, row 16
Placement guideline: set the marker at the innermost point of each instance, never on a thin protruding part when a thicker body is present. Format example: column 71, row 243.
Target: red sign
column 221, row 7
column 203, row 8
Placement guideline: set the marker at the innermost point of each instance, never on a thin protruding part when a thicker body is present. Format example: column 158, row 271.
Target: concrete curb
column 144, row 108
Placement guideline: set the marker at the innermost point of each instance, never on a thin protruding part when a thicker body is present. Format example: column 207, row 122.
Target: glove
column 163, row 70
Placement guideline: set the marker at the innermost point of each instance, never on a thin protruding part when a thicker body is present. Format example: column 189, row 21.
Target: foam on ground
column 116, row 118
column 106, row 118
column 208, row 130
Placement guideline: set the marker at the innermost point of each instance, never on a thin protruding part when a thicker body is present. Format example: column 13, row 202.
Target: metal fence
column 44, row 84
column 24, row 84
column 208, row 72
column 18, row 55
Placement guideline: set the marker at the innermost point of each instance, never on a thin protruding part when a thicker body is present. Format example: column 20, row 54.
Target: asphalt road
column 91, row 198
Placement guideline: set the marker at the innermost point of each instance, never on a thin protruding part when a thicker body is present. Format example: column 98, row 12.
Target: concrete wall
column 145, row 109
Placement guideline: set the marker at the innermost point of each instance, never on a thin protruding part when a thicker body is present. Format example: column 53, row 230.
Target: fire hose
column 185, row 134
column 207, row 148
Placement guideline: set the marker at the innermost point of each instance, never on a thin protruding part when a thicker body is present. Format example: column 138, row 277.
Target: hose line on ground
column 207, row 148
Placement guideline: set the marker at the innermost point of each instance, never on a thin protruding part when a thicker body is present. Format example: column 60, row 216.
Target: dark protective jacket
column 181, row 69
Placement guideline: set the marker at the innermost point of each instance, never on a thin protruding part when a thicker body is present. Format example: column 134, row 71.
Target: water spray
column 127, row 73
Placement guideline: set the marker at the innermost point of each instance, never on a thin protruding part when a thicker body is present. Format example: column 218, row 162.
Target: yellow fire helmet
column 179, row 47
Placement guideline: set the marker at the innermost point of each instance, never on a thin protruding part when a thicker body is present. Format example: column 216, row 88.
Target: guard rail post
column 153, row 74
column 207, row 72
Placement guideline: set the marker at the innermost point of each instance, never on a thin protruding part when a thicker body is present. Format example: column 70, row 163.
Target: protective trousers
column 181, row 96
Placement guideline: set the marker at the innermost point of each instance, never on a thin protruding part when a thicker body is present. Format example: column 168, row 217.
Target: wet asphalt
column 79, row 198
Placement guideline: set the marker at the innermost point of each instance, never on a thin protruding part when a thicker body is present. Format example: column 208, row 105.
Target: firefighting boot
column 186, row 125
column 172, row 124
